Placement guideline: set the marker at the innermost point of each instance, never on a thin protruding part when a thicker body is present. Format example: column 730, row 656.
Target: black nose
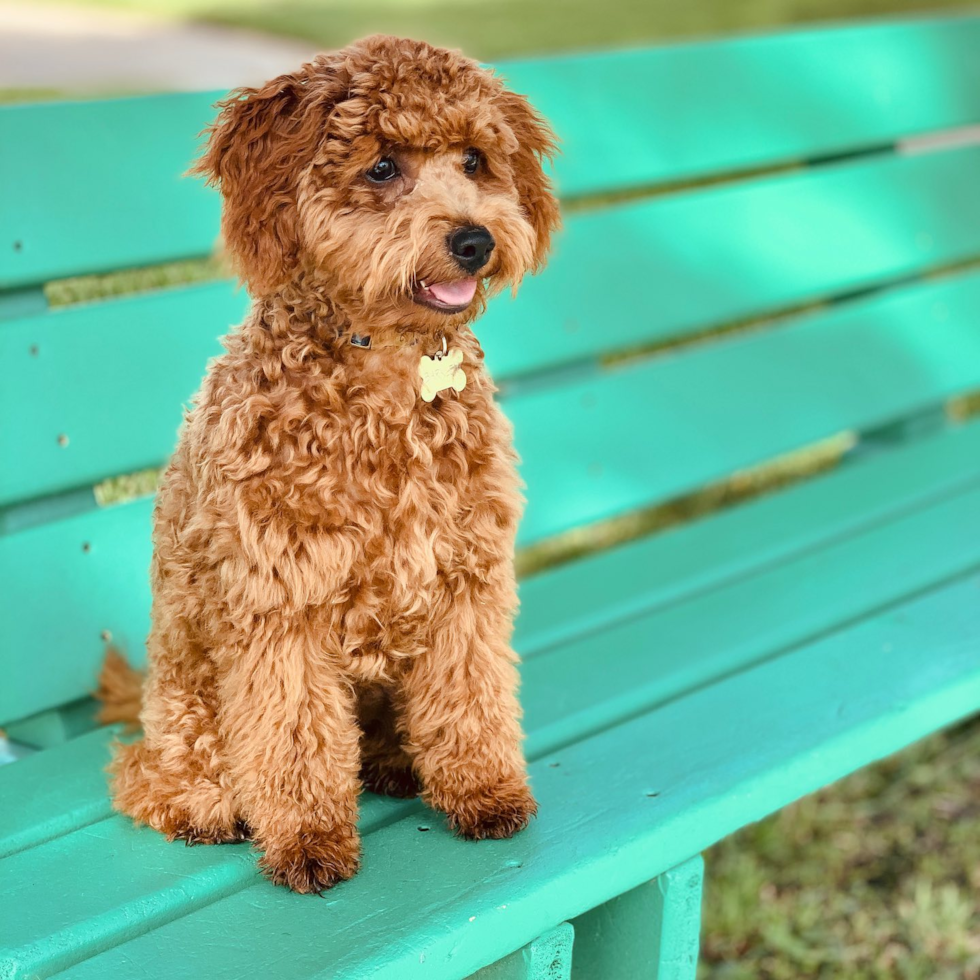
column 471, row 247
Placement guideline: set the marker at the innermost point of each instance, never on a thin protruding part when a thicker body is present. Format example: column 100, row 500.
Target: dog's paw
column 492, row 814
column 192, row 834
column 179, row 823
column 312, row 861
column 386, row 780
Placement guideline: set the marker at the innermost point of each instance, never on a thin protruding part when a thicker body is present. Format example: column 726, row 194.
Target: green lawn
column 875, row 878
column 508, row 27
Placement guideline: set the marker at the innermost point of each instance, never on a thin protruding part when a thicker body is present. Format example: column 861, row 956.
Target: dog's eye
column 471, row 161
column 384, row 169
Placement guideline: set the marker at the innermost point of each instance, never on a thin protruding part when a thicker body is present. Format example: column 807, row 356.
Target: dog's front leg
column 462, row 718
column 289, row 727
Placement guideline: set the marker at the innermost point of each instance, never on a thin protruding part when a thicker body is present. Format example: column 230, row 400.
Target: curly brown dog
column 333, row 587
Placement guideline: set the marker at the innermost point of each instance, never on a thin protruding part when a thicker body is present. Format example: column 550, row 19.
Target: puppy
column 333, row 586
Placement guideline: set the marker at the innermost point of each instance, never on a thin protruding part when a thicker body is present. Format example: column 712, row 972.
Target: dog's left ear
column 536, row 143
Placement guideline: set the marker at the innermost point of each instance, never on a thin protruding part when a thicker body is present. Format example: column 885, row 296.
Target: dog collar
column 440, row 372
column 364, row 342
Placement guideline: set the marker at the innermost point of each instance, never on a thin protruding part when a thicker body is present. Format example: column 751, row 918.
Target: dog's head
column 404, row 176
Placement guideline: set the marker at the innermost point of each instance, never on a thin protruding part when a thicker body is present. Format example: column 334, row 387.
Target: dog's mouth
column 447, row 297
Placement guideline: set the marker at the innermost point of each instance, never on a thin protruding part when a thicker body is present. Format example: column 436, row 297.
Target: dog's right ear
column 260, row 142
column 535, row 142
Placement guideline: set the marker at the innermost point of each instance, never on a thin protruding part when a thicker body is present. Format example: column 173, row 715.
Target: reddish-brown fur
column 333, row 585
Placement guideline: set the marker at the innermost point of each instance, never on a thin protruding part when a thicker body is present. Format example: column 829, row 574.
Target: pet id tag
column 441, row 371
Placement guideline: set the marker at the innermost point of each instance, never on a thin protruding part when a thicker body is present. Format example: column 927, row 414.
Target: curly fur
column 333, row 587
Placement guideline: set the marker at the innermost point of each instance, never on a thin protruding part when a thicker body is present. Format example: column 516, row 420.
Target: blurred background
column 874, row 879
column 137, row 46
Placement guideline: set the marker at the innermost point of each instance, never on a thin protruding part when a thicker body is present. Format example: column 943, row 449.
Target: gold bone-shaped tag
column 441, row 372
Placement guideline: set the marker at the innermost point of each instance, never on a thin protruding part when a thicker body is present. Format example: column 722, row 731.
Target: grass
column 875, row 878
column 515, row 27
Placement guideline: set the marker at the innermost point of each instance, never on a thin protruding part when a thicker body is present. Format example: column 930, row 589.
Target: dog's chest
column 424, row 464
column 433, row 498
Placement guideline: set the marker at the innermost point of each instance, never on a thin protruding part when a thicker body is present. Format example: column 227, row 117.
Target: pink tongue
column 454, row 293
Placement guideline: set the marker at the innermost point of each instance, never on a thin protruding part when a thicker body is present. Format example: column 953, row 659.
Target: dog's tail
column 120, row 690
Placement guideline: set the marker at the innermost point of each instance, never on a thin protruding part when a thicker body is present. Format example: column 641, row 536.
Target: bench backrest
column 707, row 186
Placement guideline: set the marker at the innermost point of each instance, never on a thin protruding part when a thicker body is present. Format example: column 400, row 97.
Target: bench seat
column 835, row 648
column 615, row 816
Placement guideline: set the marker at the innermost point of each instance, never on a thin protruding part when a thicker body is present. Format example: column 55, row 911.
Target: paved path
column 77, row 50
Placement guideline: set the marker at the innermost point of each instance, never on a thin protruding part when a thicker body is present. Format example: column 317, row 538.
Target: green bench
column 797, row 275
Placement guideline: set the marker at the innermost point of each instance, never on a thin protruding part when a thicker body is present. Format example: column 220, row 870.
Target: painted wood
column 717, row 759
column 96, row 186
column 103, row 385
column 852, row 87
column 568, row 694
column 588, row 595
column 666, row 267
column 98, row 567
column 22, row 302
column 903, row 350
column 696, row 416
column 549, row 957
column 710, row 257
column 685, row 110
column 657, row 657
column 13, row 751
column 53, row 793
column 56, row 725
column 106, row 588
column 649, row 933
column 47, row 510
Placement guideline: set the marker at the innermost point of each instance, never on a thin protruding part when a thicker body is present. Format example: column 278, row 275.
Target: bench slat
column 719, row 758
column 64, row 584
column 701, row 258
column 53, row 793
column 635, row 118
column 64, row 167
column 665, row 268
column 150, row 889
column 95, row 186
column 567, row 695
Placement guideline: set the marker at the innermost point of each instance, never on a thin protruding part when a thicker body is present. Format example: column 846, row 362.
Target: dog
column 332, row 575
